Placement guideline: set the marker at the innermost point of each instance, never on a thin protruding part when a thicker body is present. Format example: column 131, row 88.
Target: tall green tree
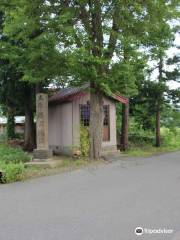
column 15, row 97
column 32, row 49
column 104, row 30
column 159, row 39
column 161, row 90
column 8, row 77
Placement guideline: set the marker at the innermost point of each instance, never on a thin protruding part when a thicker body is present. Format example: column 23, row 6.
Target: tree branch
column 114, row 32
column 97, row 27
column 85, row 18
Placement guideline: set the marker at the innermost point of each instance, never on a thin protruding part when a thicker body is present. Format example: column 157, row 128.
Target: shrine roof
column 72, row 93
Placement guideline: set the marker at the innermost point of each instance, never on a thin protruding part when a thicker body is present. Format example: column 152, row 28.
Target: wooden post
column 124, row 127
column 158, row 134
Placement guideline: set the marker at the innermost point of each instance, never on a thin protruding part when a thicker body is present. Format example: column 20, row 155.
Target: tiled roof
column 69, row 94
column 120, row 98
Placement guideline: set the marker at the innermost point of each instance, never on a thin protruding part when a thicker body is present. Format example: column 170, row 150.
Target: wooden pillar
column 124, row 126
column 158, row 126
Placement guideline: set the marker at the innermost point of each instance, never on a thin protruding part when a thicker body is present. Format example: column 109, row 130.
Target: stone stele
column 42, row 153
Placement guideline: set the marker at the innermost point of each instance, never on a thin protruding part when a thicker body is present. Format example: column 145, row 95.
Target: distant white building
column 19, row 124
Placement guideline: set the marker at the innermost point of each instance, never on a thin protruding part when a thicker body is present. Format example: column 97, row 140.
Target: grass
column 68, row 164
column 149, row 150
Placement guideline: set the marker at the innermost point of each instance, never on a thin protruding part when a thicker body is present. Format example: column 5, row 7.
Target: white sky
column 171, row 52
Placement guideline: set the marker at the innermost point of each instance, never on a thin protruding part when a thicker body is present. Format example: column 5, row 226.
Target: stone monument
column 42, row 153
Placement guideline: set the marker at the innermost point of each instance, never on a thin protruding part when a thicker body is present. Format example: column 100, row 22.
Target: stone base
column 45, row 164
column 111, row 148
column 42, row 155
column 111, row 155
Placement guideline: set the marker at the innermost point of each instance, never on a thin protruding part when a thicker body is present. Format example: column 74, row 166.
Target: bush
column 12, row 155
column 3, row 137
column 140, row 137
column 84, row 141
column 141, row 140
column 170, row 137
column 11, row 172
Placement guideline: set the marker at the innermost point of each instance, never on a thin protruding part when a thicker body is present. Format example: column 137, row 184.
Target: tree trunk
column 96, row 119
column 159, row 100
column 124, row 127
column 158, row 135
column 29, row 136
column 10, row 122
column 38, row 88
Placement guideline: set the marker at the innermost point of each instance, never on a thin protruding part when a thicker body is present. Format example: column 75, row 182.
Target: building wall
column 19, row 128
column 60, row 127
column 76, row 120
column 112, row 144
column 64, row 126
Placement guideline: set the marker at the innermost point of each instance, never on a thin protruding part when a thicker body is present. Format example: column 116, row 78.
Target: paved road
column 97, row 203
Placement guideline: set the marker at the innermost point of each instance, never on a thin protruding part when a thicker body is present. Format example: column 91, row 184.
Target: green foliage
column 13, row 92
column 171, row 118
column 138, row 136
column 12, row 163
column 171, row 138
column 12, row 172
column 12, row 155
column 141, row 144
column 33, row 39
column 124, row 79
column 143, row 139
column 84, row 141
column 10, row 128
column 3, row 138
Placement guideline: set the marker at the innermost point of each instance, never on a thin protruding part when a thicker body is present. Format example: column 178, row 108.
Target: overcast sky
column 171, row 52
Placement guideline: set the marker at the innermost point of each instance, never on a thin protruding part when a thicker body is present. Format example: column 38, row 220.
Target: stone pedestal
column 42, row 153
column 39, row 154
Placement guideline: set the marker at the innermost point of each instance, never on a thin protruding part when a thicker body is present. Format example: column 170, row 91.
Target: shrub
column 139, row 140
column 84, row 141
column 171, row 138
column 12, row 155
column 12, row 172
column 140, row 137
column 3, row 137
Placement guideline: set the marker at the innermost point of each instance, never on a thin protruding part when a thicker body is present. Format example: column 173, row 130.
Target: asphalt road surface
column 96, row 203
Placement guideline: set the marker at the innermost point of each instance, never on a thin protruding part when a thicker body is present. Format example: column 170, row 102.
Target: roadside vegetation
column 143, row 142
column 12, row 163
column 13, row 169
